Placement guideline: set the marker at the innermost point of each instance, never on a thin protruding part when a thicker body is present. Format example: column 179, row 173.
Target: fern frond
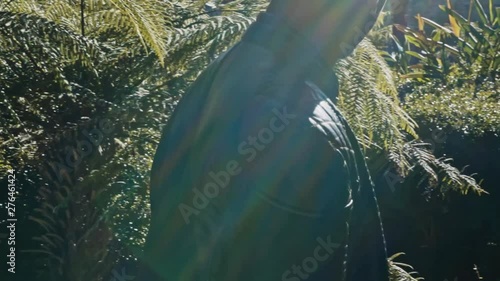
column 397, row 270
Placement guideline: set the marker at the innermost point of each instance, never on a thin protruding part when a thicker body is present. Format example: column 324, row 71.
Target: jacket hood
column 355, row 19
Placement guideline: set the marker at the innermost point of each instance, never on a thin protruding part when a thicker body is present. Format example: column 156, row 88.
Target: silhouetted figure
column 258, row 176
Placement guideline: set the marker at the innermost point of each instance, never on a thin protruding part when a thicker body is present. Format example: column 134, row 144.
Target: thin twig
column 82, row 16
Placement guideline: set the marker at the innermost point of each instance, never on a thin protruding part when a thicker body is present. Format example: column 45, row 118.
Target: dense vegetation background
column 86, row 86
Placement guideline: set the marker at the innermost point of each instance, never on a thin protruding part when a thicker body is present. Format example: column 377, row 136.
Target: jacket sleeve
column 366, row 257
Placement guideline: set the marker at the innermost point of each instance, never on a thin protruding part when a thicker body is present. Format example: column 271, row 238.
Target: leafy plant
column 470, row 45
column 398, row 272
column 61, row 76
column 370, row 102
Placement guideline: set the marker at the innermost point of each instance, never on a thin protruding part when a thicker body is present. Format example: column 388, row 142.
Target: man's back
column 257, row 175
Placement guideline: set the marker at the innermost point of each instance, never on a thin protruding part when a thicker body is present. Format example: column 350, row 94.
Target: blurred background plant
column 471, row 46
column 65, row 68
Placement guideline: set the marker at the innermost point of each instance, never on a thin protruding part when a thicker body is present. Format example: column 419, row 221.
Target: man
column 258, row 176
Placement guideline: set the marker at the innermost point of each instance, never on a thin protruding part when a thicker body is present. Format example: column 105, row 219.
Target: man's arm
column 366, row 257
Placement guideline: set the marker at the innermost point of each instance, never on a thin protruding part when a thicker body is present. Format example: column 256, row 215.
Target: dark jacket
column 259, row 177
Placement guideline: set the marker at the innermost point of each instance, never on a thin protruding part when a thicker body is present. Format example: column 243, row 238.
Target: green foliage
column 458, row 105
column 452, row 71
column 397, row 270
column 369, row 101
column 57, row 86
column 143, row 21
column 474, row 46
column 447, row 76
